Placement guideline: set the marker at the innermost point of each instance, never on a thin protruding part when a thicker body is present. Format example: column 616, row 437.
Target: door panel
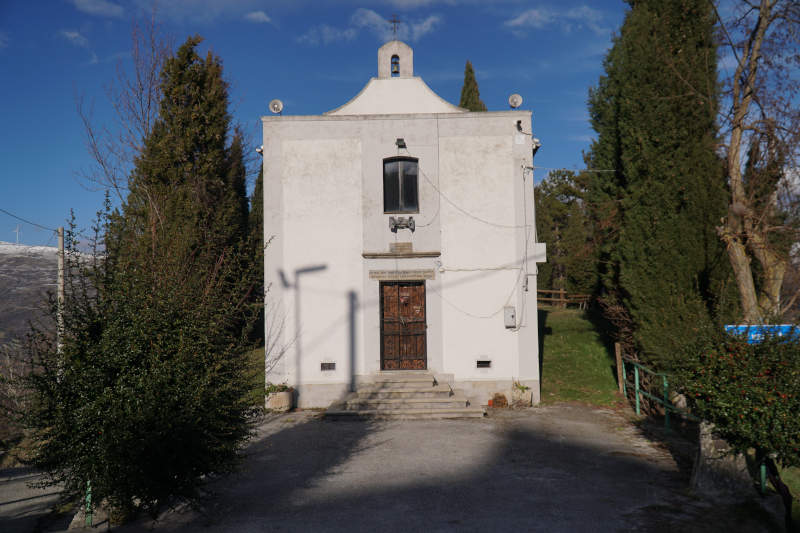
column 403, row 326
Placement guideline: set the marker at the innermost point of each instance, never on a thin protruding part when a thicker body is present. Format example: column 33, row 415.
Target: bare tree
column 134, row 95
column 761, row 146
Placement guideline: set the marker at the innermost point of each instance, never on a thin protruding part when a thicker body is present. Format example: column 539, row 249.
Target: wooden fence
column 560, row 298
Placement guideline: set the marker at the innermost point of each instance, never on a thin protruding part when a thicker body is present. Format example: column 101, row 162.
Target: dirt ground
column 557, row 468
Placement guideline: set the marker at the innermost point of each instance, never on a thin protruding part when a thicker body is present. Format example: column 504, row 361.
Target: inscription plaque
column 401, row 275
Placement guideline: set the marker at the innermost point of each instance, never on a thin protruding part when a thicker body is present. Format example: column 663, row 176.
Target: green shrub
column 280, row 387
column 751, row 393
column 147, row 395
column 149, row 391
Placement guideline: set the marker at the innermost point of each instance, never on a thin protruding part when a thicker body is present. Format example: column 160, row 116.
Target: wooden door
column 403, row 339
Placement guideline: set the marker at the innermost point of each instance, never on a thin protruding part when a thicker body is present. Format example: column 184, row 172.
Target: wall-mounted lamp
column 401, row 143
column 535, row 144
column 260, row 150
column 401, row 222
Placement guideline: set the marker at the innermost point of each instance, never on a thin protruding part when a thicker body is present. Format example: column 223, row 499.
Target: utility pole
column 60, row 296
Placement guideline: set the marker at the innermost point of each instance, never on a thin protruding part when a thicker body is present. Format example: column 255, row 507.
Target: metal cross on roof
column 394, row 21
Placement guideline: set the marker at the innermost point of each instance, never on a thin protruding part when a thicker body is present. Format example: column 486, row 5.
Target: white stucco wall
column 395, row 96
column 320, row 208
column 477, row 174
column 323, row 202
column 330, row 240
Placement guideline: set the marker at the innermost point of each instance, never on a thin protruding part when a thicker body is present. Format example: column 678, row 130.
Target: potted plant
column 278, row 397
column 521, row 395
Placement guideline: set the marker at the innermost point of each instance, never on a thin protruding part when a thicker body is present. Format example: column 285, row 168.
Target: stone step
column 403, row 376
column 439, row 391
column 381, row 404
column 406, row 414
column 398, row 383
column 403, row 395
column 410, row 374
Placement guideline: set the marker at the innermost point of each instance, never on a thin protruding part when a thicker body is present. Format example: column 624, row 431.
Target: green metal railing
column 665, row 402
column 640, row 392
column 89, row 503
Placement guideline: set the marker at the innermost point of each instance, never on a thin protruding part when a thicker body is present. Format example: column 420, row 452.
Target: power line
column 26, row 221
column 456, row 206
column 464, row 211
column 482, row 317
column 576, row 170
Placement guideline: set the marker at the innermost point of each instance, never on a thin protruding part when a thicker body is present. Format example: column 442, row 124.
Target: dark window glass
column 400, row 188
column 409, row 186
column 391, row 186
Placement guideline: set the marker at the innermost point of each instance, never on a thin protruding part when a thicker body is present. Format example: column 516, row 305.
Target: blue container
column 755, row 334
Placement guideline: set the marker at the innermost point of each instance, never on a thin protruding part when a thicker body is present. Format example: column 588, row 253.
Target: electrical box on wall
column 510, row 316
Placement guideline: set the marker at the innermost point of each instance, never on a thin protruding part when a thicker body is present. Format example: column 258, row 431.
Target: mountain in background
column 27, row 274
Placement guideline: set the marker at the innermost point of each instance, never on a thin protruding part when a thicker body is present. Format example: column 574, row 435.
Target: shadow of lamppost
column 297, row 315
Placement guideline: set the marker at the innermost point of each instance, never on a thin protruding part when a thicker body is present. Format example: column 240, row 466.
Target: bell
column 395, row 68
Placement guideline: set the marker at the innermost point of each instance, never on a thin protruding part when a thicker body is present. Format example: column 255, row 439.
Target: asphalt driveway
column 560, row 468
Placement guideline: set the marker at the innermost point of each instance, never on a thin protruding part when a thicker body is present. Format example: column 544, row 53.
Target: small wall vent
column 327, row 366
column 485, row 363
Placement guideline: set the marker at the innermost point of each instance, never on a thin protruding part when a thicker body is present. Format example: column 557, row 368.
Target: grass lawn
column 576, row 366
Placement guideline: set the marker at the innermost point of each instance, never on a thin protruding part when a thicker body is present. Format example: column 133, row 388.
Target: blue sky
column 313, row 55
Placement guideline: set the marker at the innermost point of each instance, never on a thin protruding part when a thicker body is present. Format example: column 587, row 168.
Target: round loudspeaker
column 276, row 106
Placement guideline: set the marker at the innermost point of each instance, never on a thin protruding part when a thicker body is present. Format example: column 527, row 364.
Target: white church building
column 401, row 239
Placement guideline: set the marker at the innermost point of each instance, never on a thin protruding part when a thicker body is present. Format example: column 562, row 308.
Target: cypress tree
column 187, row 188
column 654, row 112
column 470, row 95
column 256, row 217
column 234, row 212
column 257, row 244
column 147, row 394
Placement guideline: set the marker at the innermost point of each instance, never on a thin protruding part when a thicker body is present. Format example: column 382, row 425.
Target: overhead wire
column 523, row 264
column 491, row 315
column 464, row 211
column 439, row 203
column 576, row 169
column 26, row 221
column 525, row 257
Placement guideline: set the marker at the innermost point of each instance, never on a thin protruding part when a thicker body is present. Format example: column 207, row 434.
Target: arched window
column 400, row 191
column 395, row 65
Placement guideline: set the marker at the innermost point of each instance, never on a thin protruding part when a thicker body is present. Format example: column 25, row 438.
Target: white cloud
column 574, row 19
column 369, row 20
column 202, row 11
column 327, row 34
column 258, row 16
column 3, row 40
column 102, row 8
column 728, row 62
column 413, row 4
column 424, row 27
column 75, row 38
column 532, row 18
column 589, row 17
column 372, row 21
